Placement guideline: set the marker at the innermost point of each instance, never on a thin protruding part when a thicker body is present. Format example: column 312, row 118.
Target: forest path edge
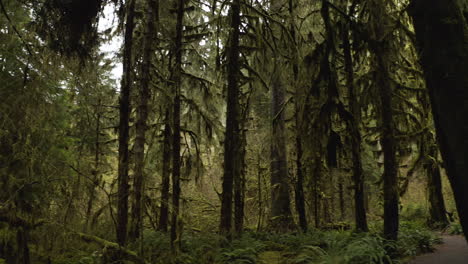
column 453, row 250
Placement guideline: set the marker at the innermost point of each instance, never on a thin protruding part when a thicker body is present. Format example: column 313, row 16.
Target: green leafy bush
column 243, row 250
column 415, row 239
column 455, row 229
column 344, row 248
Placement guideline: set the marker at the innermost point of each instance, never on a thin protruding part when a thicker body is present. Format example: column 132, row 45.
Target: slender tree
column 380, row 45
column 231, row 141
column 355, row 134
column 142, row 116
column 176, row 79
column 97, row 154
column 166, row 166
column 299, row 188
column 437, row 210
column 124, row 111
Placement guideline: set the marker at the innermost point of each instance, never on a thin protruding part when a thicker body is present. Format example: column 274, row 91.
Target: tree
column 381, row 46
column 441, row 33
column 232, row 137
column 355, row 134
column 176, row 78
column 142, row 116
column 166, row 166
column 437, row 210
column 124, row 135
column 280, row 215
column 299, row 188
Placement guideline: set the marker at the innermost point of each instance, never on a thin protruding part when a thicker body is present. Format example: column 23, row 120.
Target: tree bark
column 239, row 185
column 316, row 190
column 442, row 36
column 299, row 188
column 124, row 110
column 231, row 140
column 353, row 127
column 141, row 127
column 166, row 167
column 280, row 215
column 23, row 247
column 177, row 80
column 95, row 173
column 437, row 210
column 380, row 46
column 391, row 214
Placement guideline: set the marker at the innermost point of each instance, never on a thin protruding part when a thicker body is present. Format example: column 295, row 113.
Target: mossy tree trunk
column 280, row 214
column 437, row 210
column 124, row 111
column 141, row 126
column 355, row 135
column 380, row 45
column 176, row 78
column 442, row 36
column 232, row 139
column 166, row 167
column 299, row 188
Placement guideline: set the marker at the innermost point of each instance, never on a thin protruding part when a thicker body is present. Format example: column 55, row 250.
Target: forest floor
column 454, row 250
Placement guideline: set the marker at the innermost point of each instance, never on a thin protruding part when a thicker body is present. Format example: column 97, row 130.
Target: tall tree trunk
column 22, row 245
column 166, row 167
column 239, row 182
column 259, row 194
column 442, row 35
column 141, row 127
column 280, row 215
column 177, row 80
column 92, row 186
column 341, row 200
column 124, row 110
column 231, row 141
column 437, row 210
column 390, row 179
column 353, row 127
column 316, row 190
column 381, row 48
column 299, row 188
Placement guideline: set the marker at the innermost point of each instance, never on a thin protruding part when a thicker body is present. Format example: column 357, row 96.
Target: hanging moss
column 70, row 26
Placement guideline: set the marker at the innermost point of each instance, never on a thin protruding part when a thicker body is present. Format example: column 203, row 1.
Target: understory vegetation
column 333, row 247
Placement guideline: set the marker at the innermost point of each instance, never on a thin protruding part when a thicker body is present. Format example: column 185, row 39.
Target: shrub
column 344, row 248
column 415, row 239
column 243, row 250
column 455, row 229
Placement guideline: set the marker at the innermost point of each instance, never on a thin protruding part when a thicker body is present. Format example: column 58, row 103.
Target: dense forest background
column 240, row 131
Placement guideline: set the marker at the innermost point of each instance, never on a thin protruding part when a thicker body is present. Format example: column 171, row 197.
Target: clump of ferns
column 242, row 251
column 414, row 238
column 354, row 249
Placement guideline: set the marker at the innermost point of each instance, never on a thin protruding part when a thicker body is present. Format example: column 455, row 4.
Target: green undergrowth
column 415, row 239
column 316, row 246
column 455, row 229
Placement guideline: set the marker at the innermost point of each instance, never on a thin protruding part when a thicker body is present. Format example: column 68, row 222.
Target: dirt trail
column 454, row 250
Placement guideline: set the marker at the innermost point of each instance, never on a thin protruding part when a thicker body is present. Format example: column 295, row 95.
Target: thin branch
column 15, row 29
